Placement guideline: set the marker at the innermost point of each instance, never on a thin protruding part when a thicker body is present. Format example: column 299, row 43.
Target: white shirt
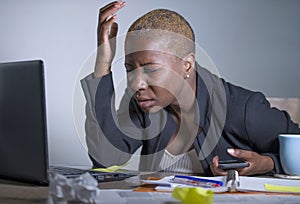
column 184, row 163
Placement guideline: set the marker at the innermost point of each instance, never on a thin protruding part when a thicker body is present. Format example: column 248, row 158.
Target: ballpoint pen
column 195, row 181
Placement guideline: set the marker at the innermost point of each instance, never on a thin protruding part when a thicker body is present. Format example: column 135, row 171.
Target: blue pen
column 194, row 181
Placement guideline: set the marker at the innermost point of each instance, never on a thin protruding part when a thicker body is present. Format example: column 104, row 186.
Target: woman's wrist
column 267, row 164
column 102, row 69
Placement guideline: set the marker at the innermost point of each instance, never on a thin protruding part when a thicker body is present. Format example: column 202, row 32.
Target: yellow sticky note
column 111, row 168
column 195, row 195
column 283, row 189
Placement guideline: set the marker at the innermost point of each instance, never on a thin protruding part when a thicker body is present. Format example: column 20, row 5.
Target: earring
column 187, row 76
column 143, row 86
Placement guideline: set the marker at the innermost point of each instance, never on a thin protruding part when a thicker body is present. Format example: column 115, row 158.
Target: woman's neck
column 185, row 101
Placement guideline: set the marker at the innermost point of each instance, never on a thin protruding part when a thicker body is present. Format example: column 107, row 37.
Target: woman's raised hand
column 106, row 37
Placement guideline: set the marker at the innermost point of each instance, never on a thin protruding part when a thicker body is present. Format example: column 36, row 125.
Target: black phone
column 232, row 164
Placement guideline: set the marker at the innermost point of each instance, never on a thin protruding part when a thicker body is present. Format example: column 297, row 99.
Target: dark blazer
column 229, row 116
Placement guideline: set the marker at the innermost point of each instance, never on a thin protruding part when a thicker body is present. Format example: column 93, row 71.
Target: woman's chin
column 153, row 109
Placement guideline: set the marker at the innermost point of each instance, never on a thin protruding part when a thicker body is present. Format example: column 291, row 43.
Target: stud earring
column 187, row 76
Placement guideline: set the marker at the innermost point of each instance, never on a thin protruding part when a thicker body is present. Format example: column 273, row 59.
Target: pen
column 194, row 181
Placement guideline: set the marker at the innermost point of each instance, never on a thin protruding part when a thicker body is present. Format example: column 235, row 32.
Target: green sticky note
column 111, row 168
column 195, row 195
column 283, row 189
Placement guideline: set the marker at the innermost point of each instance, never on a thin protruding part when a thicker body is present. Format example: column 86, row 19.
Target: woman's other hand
column 258, row 164
column 106, row 37
column 214, row 167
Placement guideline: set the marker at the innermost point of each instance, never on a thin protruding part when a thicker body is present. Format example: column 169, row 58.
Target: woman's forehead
column 171, row 43
column 136, row 45
column 148, row 56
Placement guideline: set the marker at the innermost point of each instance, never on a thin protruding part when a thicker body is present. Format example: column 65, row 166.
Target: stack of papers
column 246, row 184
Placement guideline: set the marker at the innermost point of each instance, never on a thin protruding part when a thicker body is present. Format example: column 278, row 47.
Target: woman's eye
column 148, row 70
column 128, row 70
column 128, row 67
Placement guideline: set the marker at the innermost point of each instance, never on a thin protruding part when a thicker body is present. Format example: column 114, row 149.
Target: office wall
column 253, row 43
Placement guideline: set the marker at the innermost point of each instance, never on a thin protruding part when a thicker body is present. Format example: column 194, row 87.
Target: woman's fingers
column 108, row 6
column 109, row 10
column 107, row 28
column 214, row 167
column 258, row 164
column 113, row 30
column 106, row 32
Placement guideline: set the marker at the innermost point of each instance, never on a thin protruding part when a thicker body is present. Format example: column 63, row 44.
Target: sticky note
column 111, row 168
column 283, row 189
column 193, row 195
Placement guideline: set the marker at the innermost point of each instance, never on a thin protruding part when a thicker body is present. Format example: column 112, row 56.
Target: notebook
column 23, row 127
column 230, row 183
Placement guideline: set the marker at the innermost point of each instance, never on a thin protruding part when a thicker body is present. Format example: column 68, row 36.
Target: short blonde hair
column 176, row 32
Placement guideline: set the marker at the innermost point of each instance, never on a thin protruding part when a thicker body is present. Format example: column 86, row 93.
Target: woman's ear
column 189, row 62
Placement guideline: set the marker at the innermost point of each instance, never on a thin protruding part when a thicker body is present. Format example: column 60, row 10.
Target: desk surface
column 15, row 192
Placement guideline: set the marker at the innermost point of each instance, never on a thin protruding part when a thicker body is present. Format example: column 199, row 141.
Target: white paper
column 166, row 184
column 247, row 183
column 258, row 183
column 255, row 198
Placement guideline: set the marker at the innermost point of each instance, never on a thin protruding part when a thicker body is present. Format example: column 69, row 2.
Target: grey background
column 253, row 43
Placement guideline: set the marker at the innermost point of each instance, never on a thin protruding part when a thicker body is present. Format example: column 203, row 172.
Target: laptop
column 23, row 127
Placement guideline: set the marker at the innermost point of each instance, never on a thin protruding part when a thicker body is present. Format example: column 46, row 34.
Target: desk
column 15, row 193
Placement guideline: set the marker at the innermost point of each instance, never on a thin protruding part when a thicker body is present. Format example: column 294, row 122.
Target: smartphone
column 232, row 164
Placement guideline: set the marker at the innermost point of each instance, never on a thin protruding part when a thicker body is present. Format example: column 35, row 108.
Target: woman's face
column 155, row 77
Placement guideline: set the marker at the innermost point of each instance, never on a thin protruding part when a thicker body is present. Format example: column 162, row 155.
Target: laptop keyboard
column 70, row 172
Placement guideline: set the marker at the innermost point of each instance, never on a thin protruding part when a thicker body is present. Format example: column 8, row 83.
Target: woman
column 185, row 118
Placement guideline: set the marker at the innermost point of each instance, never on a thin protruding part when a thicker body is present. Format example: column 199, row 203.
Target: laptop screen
column 23, row 134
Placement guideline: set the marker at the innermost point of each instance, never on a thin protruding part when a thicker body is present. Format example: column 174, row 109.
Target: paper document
column 167, row 184
column 246, row 183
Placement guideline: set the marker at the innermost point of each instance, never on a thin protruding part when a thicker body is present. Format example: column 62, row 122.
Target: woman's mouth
column 145, row 103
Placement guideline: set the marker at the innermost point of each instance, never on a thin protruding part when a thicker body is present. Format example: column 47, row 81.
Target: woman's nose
column 137, row 80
